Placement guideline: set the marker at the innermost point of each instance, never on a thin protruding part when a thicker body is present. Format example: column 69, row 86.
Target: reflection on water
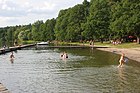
column 122, row 79
column 85, row 71
column 12, row 60
column 128, row 79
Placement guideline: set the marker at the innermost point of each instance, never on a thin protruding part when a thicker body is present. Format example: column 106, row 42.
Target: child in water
column 122, row 60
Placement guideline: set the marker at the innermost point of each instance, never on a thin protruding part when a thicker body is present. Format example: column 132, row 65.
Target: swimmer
column 12, row 55
column 64, row 55
column 121, row 61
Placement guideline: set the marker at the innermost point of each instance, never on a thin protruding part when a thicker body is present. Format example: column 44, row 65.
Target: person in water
column 64, row 55
column 121, row 61
column 12, row 55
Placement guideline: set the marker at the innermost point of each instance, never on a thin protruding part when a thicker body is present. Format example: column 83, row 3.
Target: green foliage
column 23, row 35
column 61, row 24
column 36, row 31
column 70, row 21
column 97, row 19
column 48, row 30
column 126, row 18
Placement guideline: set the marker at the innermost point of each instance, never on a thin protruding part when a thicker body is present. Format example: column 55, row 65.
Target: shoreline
column 131, row 53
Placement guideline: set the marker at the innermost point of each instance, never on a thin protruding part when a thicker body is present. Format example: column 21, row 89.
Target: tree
column 2, row 36
column 10, row 36
column 126, row 18
column 61, row 25
column 99, row 19
column 133, row 14
column 48, row 32
column 76, row 18
column 35, row 30
column 69, row 22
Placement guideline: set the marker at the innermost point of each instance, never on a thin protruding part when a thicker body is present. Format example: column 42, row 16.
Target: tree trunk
column 101, row 40
column 138, row 40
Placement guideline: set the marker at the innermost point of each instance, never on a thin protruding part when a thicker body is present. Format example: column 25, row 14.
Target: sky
column 23, row 12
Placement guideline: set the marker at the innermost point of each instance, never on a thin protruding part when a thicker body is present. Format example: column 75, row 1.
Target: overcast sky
column 22, row 12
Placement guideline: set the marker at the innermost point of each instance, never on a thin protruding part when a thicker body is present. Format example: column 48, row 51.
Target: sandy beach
column 131, row 53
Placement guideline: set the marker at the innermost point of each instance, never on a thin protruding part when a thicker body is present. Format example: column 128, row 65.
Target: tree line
column 97, row 19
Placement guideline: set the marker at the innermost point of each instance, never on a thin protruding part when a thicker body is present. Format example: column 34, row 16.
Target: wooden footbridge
column 71, row 46
column 6, row 50
column 9, row 49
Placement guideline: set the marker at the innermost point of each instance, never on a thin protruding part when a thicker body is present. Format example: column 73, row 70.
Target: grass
column 108, row 44
column 123, row 45
column 28, row 42
column 128, row 45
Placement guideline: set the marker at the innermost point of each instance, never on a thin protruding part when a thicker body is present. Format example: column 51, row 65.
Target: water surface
column 86, row 70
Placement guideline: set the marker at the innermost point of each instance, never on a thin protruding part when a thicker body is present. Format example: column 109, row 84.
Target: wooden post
column 138, row 40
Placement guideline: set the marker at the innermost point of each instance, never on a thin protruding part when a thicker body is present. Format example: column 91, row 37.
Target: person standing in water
column 12, row 57
column 64, row 55
column 121, row 61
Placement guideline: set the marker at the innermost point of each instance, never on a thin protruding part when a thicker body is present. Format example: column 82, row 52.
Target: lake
column 41, row 70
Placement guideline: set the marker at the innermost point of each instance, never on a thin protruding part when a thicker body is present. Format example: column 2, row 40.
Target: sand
column 131, row 53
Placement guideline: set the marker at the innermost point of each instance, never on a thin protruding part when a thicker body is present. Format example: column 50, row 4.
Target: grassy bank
column 28, row 42
column 107, row 44
column 123, row 45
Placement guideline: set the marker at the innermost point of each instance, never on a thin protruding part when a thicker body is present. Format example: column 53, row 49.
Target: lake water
column 85, row 71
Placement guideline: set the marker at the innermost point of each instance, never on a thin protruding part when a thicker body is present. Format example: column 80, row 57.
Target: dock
column 71, row 46
column 9, row 49
column 61, row 46
column 6, row 50
column 3, row 89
